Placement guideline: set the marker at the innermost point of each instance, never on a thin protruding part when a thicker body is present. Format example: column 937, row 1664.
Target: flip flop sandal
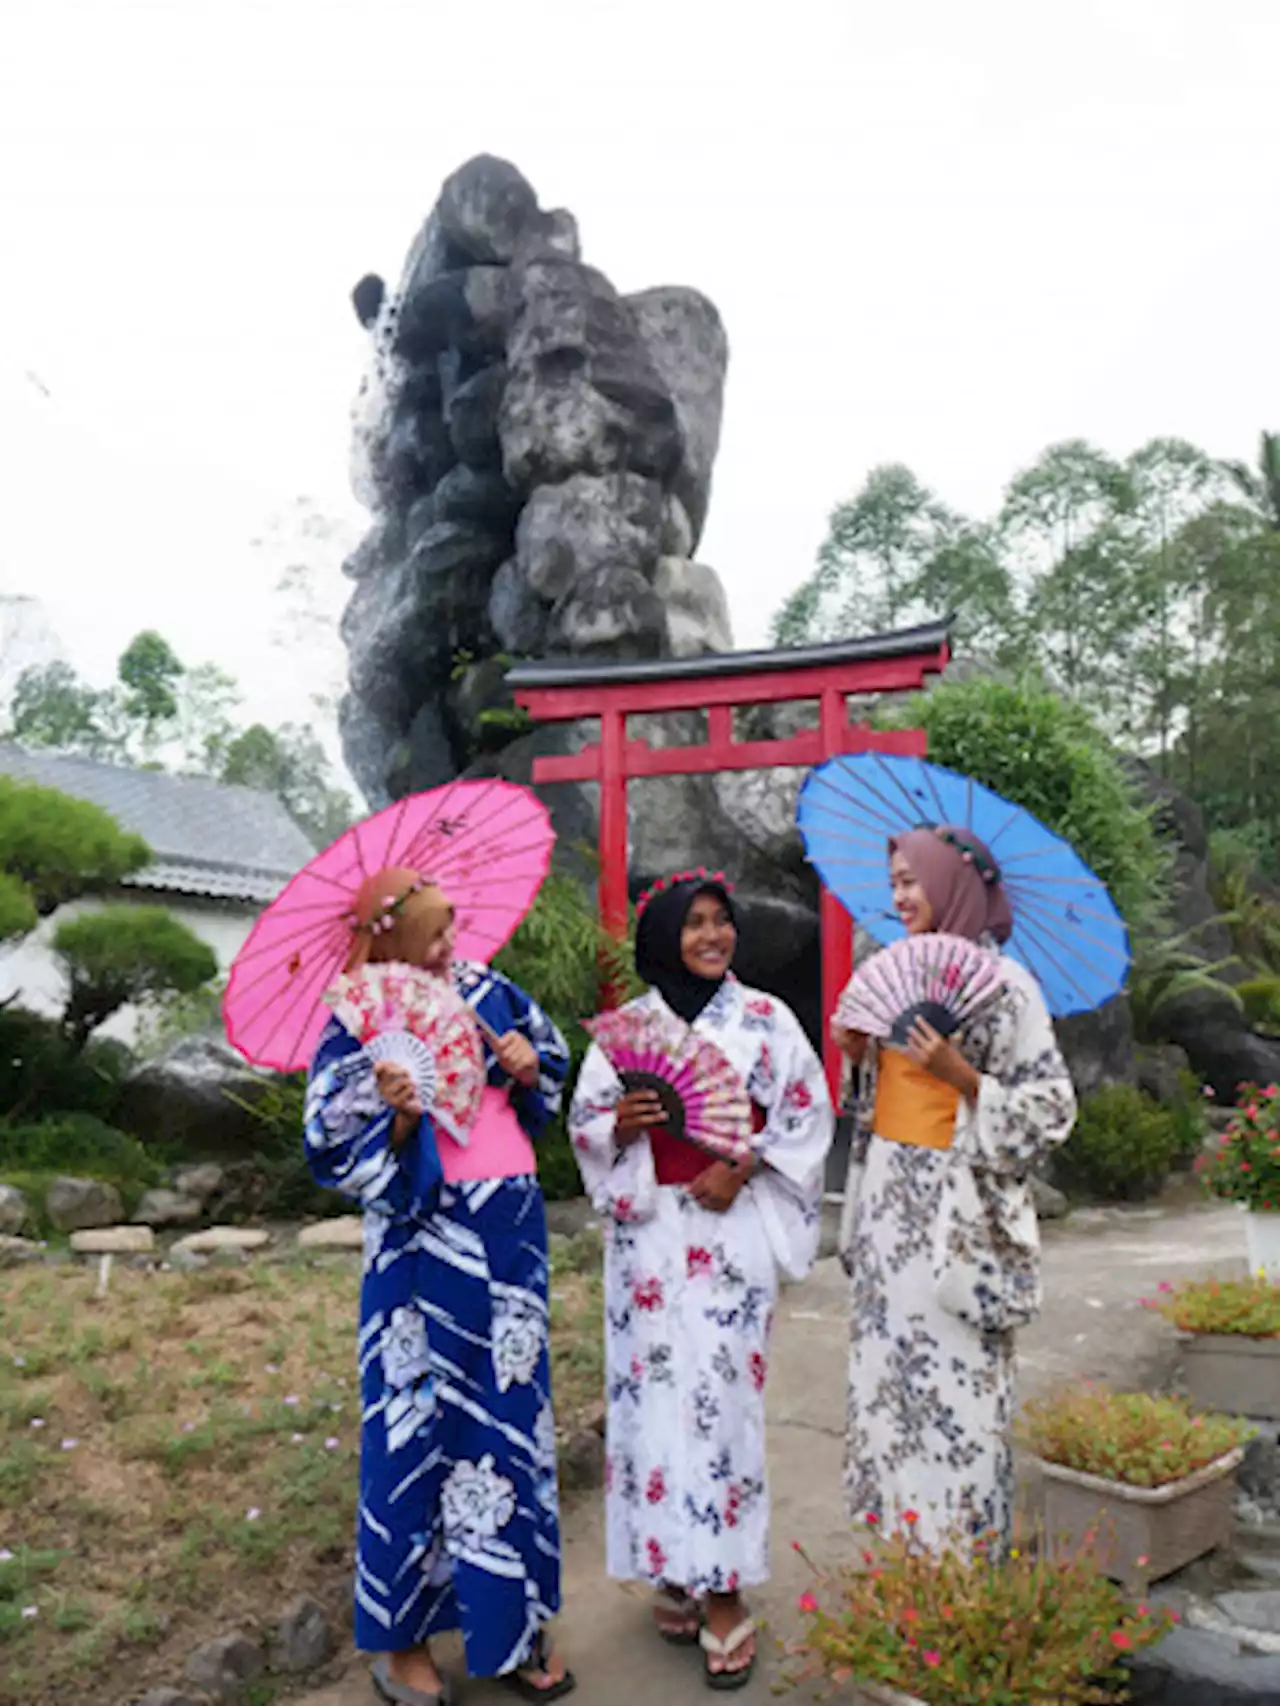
column 538, row 1662
column 680, row 1606
column 728, row 1681
column 394, row 1693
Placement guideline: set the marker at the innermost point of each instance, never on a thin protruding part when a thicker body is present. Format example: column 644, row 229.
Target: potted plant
column 1245, row 1169
column 1147, row 1479
column 1229, row 1331
column 969, row 1627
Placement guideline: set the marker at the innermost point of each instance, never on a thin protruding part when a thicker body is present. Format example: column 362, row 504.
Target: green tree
column 1261, row 485
column 871, row 563
column 1171, row 484
column 123, row 955
column 1065, row 515
column 150, row 675
column 290, row 763
column 54, row 849
column 52, row 707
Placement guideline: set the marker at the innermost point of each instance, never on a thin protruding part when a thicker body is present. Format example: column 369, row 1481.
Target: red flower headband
column 701, row 875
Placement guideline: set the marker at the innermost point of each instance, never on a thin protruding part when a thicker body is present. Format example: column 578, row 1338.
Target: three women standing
column 940, row 1233
column 694, row 1249
column 458, row 1520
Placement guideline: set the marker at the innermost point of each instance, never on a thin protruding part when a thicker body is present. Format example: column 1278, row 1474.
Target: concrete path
column 1098, row 1265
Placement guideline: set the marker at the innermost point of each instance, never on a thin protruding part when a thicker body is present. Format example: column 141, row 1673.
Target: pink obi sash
column 499, row 1147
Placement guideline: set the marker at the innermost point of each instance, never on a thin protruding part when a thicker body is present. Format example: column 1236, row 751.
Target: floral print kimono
column 944, row 1253
column 458, row 1519
column 689, row 1300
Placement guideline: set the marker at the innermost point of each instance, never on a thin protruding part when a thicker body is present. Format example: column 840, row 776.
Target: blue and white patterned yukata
column 458, row 1524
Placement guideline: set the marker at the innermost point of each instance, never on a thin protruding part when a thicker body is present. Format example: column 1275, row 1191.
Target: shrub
column 1130, row 1437
column 1261, row 998
column 1045, row 754
column 1245, row 1167
column 1250, row 1307
column 126, row 954
column 1122, row 1148
column 960, row 1629
column 32, row 1156
column 41, row 1073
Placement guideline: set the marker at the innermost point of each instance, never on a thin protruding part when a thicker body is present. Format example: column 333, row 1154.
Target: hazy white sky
column 941, row 234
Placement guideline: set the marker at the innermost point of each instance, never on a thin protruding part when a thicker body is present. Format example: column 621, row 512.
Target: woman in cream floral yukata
column 694, row 1250
column 939, row 1233
column 458, row 1525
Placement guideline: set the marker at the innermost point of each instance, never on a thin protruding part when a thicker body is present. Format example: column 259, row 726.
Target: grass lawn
column 179, row 1457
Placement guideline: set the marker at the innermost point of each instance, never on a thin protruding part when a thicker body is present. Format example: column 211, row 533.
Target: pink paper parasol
column 486, row 843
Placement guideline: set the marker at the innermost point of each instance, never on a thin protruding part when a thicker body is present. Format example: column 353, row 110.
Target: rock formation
column 536, row 450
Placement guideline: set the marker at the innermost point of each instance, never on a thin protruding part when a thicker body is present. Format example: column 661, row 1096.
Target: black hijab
column 658, row 959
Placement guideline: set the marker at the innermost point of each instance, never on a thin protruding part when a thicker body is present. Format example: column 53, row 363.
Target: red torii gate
column 557, row 692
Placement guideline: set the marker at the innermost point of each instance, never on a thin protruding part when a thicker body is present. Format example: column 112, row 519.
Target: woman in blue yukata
column 458, row 1524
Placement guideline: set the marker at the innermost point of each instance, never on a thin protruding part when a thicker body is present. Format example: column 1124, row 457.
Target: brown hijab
column 960, row 879
column 397, row 915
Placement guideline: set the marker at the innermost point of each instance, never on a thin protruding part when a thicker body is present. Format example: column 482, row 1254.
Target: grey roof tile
column 208, row 838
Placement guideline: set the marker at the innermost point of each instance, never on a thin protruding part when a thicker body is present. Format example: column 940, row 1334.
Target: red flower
column 931, row 1658
column 760, row 1008
column 871, row 1519
column 911, row 1518
column 656, row 1491
column 1120, row 1641
column 699, row 1261
column 759, row 1370
column 657, row 1557
column 647, row 1295
column 807, row 1603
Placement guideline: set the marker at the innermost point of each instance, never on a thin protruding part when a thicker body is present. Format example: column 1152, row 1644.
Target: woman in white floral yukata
column 694, row 1251
column 939, row 1232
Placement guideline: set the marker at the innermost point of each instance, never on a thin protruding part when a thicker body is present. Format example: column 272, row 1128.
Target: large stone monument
column 536, row 450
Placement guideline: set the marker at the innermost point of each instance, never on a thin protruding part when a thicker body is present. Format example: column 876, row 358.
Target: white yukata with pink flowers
column 689, row 1301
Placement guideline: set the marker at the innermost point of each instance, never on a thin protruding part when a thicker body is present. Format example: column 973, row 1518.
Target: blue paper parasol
column 1066, row 931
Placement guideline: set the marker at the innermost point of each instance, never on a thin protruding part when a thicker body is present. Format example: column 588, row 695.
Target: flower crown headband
column 701, row 875
column 391, row 908
column 986, row 867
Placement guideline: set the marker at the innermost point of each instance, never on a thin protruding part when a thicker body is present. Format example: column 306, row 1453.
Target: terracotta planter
column 1167, row 1526
column 1233, row 1375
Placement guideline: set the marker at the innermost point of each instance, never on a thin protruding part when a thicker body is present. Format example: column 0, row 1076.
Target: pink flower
column 1120, row 1641
column 871, row 1519
column 807, row 1603
column 699, row 1261
column 931, row 1658
column 1164, row 1286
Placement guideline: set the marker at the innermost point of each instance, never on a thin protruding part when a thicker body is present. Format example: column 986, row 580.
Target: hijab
column 396, row 915
column 658, row 958
column 960, row 878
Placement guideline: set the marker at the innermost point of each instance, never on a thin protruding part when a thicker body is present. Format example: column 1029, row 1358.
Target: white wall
column 30, row 970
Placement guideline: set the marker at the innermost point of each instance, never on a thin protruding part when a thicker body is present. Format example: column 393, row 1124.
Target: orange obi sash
column 912, row 1106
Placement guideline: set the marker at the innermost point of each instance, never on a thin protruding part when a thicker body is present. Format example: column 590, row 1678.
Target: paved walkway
column 1098, row 1265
